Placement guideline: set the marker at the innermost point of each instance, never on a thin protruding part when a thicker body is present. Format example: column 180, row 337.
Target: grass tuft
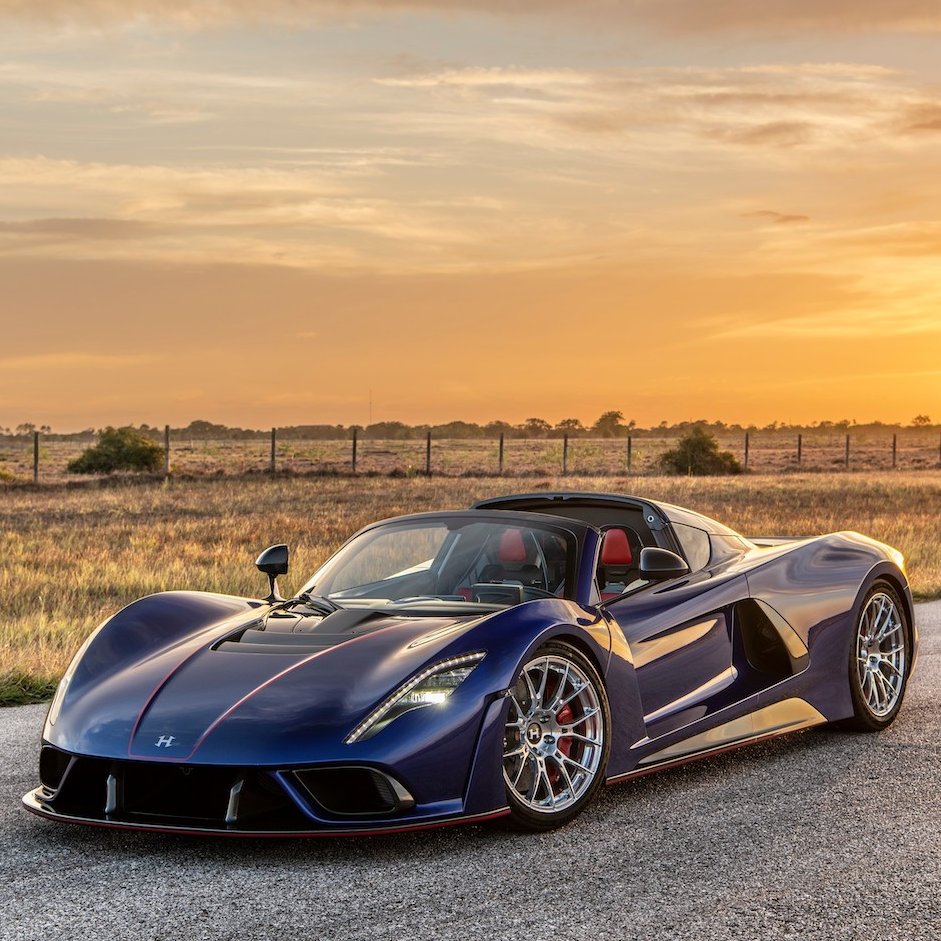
column 19, row 688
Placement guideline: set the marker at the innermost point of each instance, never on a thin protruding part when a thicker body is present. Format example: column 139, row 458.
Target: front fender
column 141, row 629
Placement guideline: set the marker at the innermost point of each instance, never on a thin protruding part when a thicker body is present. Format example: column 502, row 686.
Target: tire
column 879, row 659
column 557, row 738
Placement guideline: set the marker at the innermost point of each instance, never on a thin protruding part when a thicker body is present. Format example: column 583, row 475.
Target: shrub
column 119, row 449
column 697, row 453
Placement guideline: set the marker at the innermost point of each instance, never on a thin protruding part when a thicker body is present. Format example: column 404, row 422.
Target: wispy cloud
column 74, row 361
column 671, row 16
column 777, row 218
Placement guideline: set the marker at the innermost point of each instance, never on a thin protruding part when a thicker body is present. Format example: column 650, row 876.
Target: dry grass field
column 769, row 452
column 72, row 556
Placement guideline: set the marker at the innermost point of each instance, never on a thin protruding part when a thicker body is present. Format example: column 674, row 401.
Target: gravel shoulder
column 821, row 834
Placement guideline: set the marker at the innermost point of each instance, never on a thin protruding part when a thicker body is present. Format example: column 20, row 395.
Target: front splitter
column 34, row 805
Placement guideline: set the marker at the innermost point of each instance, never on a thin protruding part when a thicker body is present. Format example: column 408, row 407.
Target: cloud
column 775, row 107
column 778, row 218
column 82, row 361
column 79, row 228
column 923, row 117
column 669, row 16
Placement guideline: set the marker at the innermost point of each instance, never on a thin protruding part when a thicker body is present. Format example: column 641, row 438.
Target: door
column 680, row 637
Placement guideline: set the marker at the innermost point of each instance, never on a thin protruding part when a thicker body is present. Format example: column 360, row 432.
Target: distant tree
column 118, row 449
column 920, row 421
column 494, row 429
column 697, row 454
column 457, row 429
column 536, row 427
column 570, row 426
column 610, row 425
column 387, row 430
column 26, row 428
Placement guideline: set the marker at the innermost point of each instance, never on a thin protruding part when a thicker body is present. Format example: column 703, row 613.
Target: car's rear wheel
column 879, row 659
column 556, row 740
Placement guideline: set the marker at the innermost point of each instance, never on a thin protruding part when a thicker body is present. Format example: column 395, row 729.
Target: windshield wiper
column 317, row 602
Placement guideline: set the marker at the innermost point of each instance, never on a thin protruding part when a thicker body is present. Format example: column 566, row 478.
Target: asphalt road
column 820, row 834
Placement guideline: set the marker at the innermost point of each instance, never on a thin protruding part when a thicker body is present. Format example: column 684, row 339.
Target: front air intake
column 354, row 792
column 52, row 765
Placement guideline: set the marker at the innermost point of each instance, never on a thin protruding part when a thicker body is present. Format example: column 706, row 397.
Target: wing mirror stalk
column 656, row 565
column 273, row 562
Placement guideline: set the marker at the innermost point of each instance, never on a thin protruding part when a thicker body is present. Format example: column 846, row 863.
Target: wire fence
column 45, row 458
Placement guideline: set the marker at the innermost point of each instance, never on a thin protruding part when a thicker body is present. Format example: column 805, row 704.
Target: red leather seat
column 512, row 548
column 617, row 561
column 616, row 548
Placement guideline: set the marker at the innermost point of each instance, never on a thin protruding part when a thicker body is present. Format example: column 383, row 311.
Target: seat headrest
column 616, row 549
column 512, row 548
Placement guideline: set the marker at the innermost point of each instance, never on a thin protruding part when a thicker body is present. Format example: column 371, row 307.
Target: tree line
column 610, row 424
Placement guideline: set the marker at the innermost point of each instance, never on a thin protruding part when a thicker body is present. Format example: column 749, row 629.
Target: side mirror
column 658, row 564
column 273, row 562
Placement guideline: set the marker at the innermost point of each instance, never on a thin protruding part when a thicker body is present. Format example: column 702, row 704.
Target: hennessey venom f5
column 442, row 667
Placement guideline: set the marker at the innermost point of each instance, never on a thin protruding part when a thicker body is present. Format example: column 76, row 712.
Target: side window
column 695, row 545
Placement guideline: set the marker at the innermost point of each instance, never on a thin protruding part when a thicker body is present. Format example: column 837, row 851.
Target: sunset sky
column 475, row 210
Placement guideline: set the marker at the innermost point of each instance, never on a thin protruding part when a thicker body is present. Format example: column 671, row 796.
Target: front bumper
column 255, row 801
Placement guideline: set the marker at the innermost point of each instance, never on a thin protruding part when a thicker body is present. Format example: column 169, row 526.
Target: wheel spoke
column 532, row 691
column 580, row 738
column 550, row 792
column 569, row 698
column 565, row 774
column 560, row 689
column 891, row 665
column 570, row 760
column 519, row 708
column 541, row 695
column 588, row 714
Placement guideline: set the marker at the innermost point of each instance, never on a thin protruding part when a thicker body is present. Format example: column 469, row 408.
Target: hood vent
column 287, row 633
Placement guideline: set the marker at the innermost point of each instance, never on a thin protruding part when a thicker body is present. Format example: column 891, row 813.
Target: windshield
column 451, row 560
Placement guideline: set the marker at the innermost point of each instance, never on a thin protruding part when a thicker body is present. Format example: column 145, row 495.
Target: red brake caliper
column 564, row 744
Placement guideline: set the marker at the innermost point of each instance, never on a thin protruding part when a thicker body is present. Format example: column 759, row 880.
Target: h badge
column 165, row 741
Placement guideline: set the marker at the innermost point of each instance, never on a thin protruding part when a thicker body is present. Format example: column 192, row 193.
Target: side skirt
column 789, row 715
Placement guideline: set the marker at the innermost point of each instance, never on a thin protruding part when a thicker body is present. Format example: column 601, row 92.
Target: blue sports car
column 506, row 660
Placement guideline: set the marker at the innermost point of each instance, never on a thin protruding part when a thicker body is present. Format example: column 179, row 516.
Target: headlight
column 431, row 687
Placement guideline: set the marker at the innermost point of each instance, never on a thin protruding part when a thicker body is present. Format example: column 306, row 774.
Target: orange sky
column 676, row 209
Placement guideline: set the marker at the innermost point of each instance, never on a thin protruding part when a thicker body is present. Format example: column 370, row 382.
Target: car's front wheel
column 556, row 741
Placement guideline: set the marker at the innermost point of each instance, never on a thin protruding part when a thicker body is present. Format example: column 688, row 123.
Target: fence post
column 746, row 450
column 355, row 434
column 500, row 458
column 800, row 442
column 166, row 450
column 35, row 457
column 846, row 456
column 428, row 454
column 630, row 449
column 565, row 454
column 273, row 445
column 894, row 448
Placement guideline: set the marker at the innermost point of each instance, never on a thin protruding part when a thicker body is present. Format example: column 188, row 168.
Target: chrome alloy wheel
column 554, row 738
column 881, row 654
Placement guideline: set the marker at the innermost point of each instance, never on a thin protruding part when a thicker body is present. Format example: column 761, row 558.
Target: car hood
column 229, row 693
